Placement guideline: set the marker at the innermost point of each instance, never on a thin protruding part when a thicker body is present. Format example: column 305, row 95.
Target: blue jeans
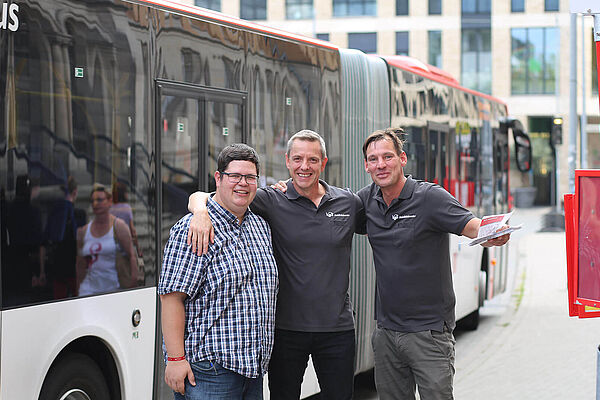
column 217, row 383
column 333, row 357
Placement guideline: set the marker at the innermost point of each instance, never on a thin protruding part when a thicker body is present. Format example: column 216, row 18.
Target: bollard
column 598, row 376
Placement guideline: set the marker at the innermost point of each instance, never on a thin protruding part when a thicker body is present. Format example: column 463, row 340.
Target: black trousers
column 333, row 357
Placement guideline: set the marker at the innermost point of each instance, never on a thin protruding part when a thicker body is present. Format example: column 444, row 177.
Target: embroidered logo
column 331, row 214
column 396, row 216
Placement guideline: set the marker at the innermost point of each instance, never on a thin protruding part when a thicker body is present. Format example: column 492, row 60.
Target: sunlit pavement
column 527, row 347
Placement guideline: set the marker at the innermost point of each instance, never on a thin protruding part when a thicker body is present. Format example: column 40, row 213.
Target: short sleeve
column 361, row 216
column 447, row 214
column 262, row 203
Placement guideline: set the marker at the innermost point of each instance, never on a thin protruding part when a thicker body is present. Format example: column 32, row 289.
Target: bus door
column 500, row 171
column 195, row 124
column 437, row 165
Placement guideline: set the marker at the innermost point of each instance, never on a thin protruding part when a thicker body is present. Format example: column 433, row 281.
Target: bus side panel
column 466, row 264
column 32, row 337
column 365, row 99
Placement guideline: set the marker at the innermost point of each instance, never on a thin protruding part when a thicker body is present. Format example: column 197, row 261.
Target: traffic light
column 556, row 131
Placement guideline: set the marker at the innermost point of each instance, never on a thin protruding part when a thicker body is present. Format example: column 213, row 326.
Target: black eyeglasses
column 251, row 179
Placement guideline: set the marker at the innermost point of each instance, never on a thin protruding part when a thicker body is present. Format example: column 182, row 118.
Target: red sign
column 582, row 229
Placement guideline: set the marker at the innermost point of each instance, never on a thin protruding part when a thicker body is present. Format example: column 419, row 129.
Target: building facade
column 515, row 50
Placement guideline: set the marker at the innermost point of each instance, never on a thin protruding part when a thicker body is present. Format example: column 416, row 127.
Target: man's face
column 383, row 164
column 236, row 197
column 305, row 163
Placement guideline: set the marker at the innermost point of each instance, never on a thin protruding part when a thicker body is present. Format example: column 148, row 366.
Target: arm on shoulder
column 201, row 232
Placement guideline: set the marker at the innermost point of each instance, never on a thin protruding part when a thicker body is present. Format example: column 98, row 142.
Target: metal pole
column 583, row 128
column 573, row 104
column 557, row 198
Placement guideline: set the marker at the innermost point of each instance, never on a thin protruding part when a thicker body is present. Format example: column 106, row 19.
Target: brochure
column 489, row 228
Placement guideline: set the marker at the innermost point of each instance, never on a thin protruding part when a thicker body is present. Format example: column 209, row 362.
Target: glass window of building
column 210, row 4
column 435, row 7
column 367, row 42
column 534, row 60
column 476, row 68
column 299, row 9
column 323, row 36
column 517, row 5
column 551, row 5
column 253, row 9
column 347, row 8
column 476, row 6
column 402, row 43
column 401, row 7
column 435, row 48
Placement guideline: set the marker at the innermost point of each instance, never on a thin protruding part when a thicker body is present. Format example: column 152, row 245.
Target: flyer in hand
column 489, row 228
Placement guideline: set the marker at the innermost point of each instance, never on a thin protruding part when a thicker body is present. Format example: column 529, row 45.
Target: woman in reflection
column 121, row 209
column 101, row 243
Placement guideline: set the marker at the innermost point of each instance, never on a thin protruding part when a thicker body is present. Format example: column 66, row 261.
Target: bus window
column 74, row 122
column 415, row 148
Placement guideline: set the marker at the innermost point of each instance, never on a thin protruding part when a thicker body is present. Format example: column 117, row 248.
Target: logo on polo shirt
column 331, row 214
column 396, row 216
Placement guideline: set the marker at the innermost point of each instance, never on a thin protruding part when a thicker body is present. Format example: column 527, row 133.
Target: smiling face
column 385, row 166
column 236, row 197
column 305, row 163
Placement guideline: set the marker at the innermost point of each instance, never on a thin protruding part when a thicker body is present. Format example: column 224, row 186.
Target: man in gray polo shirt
column 408, row 223
column 312, row 225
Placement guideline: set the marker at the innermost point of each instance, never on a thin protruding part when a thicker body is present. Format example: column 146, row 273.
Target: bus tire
column 470, row 322
column 75, row 376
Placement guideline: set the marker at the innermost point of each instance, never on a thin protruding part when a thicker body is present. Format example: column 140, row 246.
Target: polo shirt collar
column 292, row 194
column 406, row 193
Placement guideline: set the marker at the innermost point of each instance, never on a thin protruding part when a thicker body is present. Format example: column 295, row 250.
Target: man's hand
column 499, row 241
column 201, row 232
column 281, row 185
column 175, row 374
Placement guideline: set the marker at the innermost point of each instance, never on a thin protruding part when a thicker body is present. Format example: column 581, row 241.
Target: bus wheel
column 470, row 322
column 75, row 377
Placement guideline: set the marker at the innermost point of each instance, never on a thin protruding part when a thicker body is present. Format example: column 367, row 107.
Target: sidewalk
column 535, row 350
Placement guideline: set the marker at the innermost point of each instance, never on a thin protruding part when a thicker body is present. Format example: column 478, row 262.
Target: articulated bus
column 142, row 95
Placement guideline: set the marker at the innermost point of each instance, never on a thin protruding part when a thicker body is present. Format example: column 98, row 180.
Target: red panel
column 570, row 239
column 587, row 238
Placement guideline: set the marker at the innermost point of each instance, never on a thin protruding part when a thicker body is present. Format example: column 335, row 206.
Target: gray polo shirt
column 312, row 249
column 410, row 240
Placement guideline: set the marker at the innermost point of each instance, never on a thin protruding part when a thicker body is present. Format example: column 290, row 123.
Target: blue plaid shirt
column 232, row 290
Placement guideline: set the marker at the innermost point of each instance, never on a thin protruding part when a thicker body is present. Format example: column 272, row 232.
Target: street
column 526, row 346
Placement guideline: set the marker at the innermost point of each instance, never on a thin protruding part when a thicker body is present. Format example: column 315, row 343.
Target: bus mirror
column 522, row 150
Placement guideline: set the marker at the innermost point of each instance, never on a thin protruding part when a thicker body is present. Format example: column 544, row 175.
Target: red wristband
column 176, row 358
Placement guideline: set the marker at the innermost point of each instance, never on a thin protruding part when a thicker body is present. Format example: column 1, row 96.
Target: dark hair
column 119, row 192
column 236, row 152
column 394, row 135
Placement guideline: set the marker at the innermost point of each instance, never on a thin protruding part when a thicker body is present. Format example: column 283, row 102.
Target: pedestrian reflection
column 25, row 255
column 106, row 259
column 61, row 241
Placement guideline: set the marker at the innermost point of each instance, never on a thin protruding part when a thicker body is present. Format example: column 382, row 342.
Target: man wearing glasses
column 313, row 224
column 218, row 309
